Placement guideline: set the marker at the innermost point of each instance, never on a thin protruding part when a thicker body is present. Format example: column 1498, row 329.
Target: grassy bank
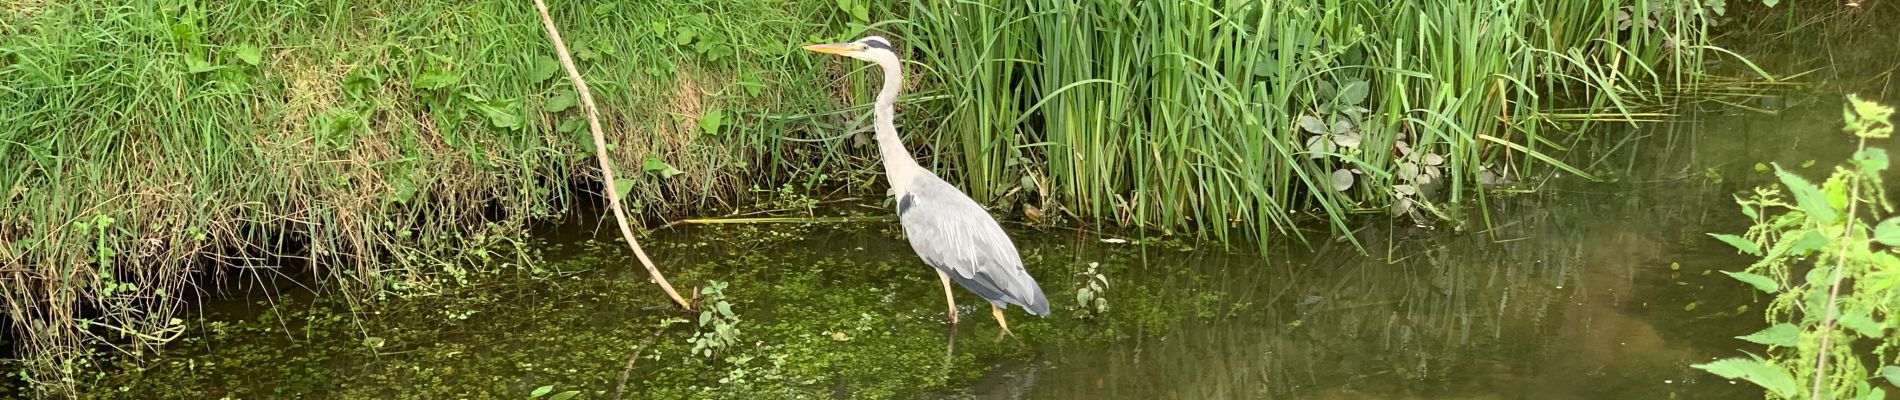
column 146, row 145
column 149, row 145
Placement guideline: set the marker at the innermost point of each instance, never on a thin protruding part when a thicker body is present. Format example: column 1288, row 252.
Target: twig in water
column 600, row 151
column 620, row 389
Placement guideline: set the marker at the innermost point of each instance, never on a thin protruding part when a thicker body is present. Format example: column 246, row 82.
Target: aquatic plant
column 718, row 326
column 1091, row 297
column 1233, row 119
column 1832, row 271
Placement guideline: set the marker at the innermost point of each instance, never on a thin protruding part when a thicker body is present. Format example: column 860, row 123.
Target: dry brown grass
column 23, row 8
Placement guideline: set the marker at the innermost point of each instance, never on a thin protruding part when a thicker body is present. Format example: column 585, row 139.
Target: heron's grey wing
column 954, row 234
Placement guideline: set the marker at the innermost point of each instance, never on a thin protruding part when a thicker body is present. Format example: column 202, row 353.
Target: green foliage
column 1831, row 324
column 372, row 139
column 545, row 390
column 1233, row 119
column 1769, row 376
column 718, row 326
column 1091, row 297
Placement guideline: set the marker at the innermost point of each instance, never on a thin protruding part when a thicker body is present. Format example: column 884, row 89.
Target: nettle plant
column 1833, row 276
column 718, row 326
column 1091, row 297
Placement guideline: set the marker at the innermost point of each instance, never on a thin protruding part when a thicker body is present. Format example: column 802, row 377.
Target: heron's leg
column 947, row 298
column 998, row 312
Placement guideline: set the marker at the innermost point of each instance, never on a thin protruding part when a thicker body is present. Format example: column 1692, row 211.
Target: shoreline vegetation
column 149, row 149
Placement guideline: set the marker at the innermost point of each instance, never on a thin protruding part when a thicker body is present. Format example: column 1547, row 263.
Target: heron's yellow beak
column 832, row 48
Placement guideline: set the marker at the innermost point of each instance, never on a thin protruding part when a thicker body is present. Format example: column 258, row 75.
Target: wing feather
column 953, row 233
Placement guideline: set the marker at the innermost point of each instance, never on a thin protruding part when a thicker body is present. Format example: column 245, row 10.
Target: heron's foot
column 1004, row 324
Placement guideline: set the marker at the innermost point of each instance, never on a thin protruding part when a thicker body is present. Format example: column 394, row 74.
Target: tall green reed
column 1236, row 119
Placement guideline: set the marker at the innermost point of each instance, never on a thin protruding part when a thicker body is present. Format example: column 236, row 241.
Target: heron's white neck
column 899, row 167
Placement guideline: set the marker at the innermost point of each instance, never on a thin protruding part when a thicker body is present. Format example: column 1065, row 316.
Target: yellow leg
column 998, row 312
column 947, row 298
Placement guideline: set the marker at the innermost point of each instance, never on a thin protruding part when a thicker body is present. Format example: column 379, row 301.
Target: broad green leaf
column 404, row 190
column 249, row 54
column 1836, row 191
column 1766, row 375
column 562, row 102
column 1341, row 127
column 1872, row 393
column 655, row 166
column 1782, row 334
column 1862, row 324
column 541, row 391
column 1762, row 283
column 1873, row 159
column 501, row 116
column 1770, row 3
column 1740, row 244
column 1809, row 241
column 622, row 186
column 1354, row 93
column 1820, row 275
column 1892, row 373
column 1313, row 124
column 360, row 81
column 544, row 69
column 1888, row 232
column 572, row 125
column 1808, row 196
column 567, row 394
column 197, row 65
column 712, row 122
column 436, row 79
column 1342, row 180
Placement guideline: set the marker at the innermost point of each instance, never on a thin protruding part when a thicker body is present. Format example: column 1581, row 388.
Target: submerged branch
column 600, row 151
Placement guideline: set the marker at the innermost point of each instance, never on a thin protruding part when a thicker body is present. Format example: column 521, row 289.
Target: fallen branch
column 620, row 389
column 787, row 220
column 600, row 151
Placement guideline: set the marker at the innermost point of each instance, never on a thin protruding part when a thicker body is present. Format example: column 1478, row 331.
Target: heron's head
column 870, row 48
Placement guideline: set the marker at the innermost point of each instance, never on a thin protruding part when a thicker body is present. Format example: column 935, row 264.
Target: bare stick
column 600, row 151
column 621, row 388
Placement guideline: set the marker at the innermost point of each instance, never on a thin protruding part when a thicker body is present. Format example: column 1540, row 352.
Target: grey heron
column 951, row 232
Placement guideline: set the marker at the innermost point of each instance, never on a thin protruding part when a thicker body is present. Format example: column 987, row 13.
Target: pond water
column 1581, row 290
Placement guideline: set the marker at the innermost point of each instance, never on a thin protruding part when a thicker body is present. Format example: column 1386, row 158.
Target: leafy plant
column 545, row 390
column 1844, row 303
column 1092, row 296
column 718, row 326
